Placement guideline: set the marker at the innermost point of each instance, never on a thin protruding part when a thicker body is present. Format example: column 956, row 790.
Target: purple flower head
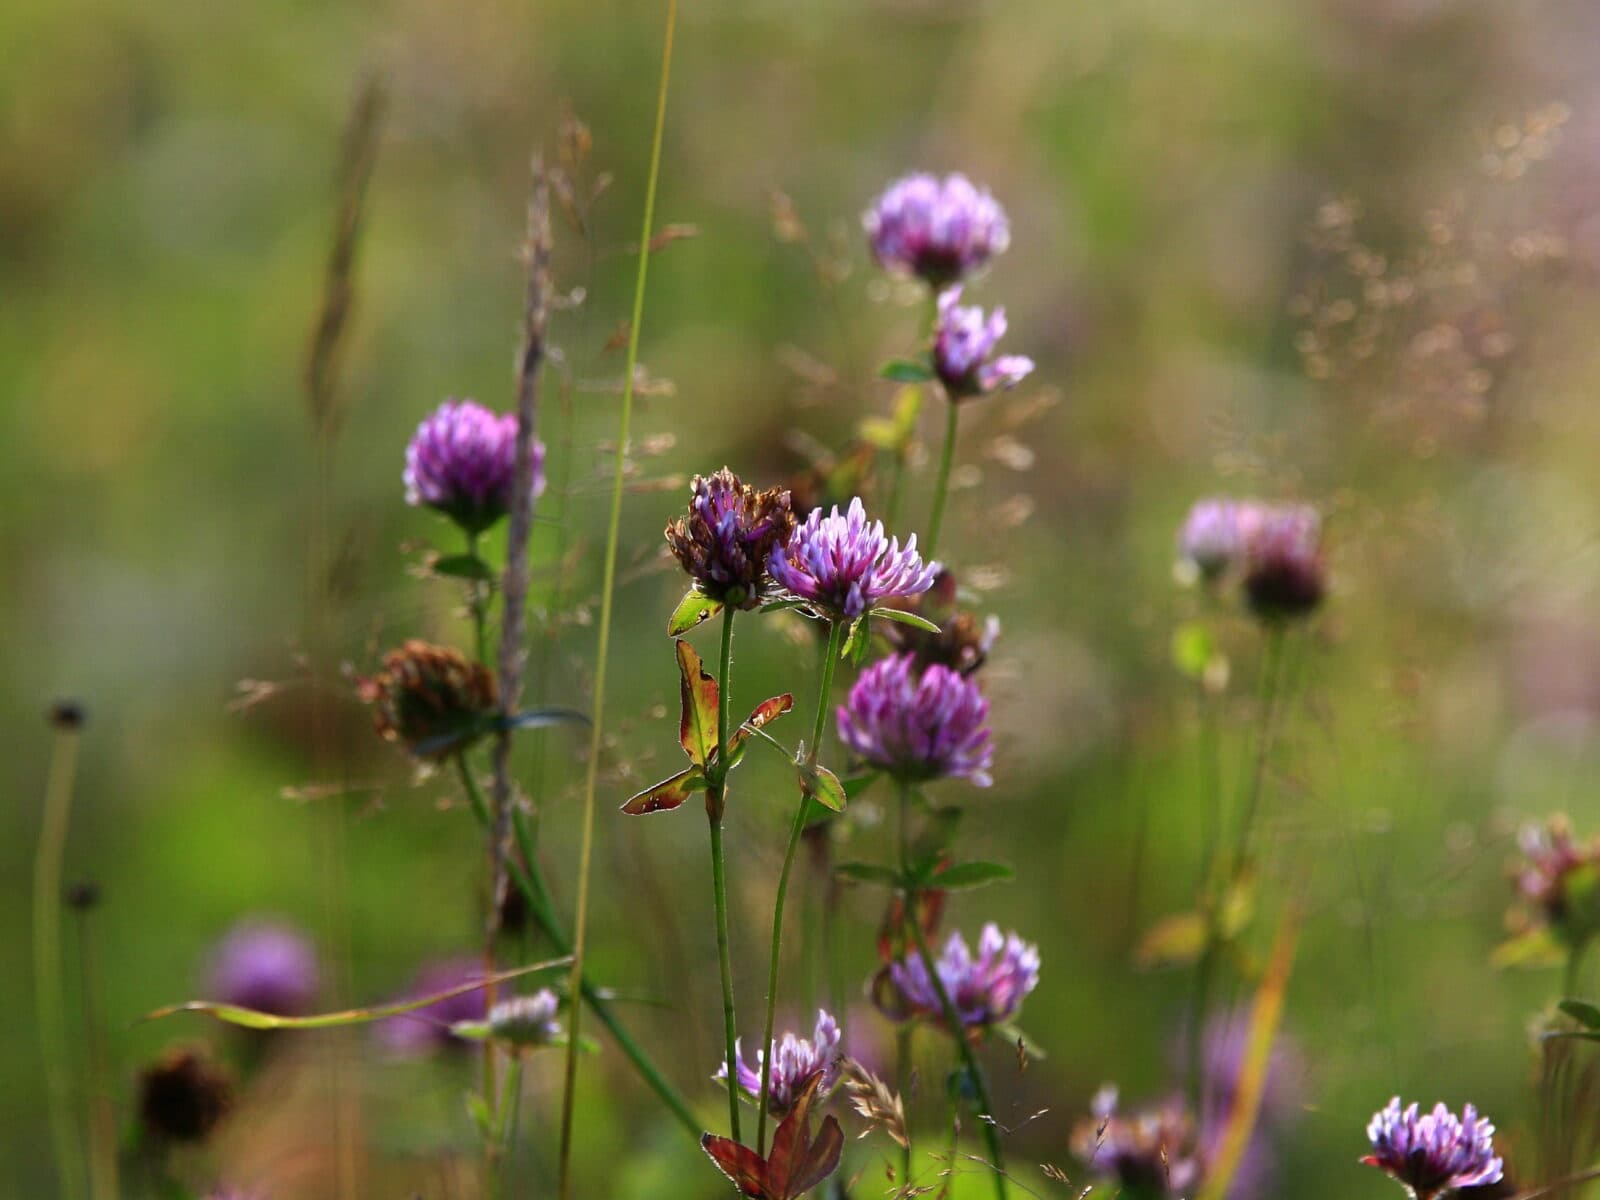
column 1433, row 1153
column 1212, row 541
column 964, row 342
column 794, row 1060
column 1284, row 575
column 462, row 461
column 937, row 230
column 931, row 724
column 425, row 1030
column 1151, row 1151
column 264, row 965
column 729, row 534
column 985, row 990
column 845, row 566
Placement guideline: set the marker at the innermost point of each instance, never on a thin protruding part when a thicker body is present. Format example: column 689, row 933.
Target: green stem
column 905, row 1033
column 716, row 804
column 835, row 635
column 479, row 603
column 969, row 1057
column 941, row 486
column 607, row 595
column 49, row 993
column 1572, row 976
column 1267, row 708
column 530, row 881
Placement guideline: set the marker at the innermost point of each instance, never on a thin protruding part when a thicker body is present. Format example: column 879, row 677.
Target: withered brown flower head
column 430, row 699
column 964, row 638
column 729, row 533
column 183, row 1096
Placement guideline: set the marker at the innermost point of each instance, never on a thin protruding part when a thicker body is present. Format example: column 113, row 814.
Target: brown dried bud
column 728, row 535
column 964, row 638
column 430, row 699
column 66, row 714
column 183, row 1096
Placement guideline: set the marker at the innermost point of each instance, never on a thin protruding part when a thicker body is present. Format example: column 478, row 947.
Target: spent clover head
column 845, row 566
column 963, row 640
column 1149, row 1152
column 265, row 966
column 964, row 345
column 1284, row 573
column 937, row 230
column 1433, row 1153
column 430, row 699
column 462, row 461
column 794, row 1060
column 728, row 535
column 986, row 989
column 927, row 723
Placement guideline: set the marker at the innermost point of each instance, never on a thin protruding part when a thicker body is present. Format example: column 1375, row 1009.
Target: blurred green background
column 1341, row 250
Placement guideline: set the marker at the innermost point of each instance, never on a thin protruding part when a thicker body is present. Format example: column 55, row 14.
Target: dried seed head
column 183, row 1096
column 430, row 699
column 728, row 535
column 964, row 639
column 66, row 714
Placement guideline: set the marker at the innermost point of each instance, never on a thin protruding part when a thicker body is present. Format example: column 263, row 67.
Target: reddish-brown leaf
column 742, row 1165
column 697, row 725
column 821, row 1160
column 667, row 794
column 791, row 1143
column 761, row 716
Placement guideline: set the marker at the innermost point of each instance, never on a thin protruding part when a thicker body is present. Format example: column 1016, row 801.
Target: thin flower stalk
column 835, row 637
column 608, row 589
column 49, row 993
column 941, row 483
column 716, row 804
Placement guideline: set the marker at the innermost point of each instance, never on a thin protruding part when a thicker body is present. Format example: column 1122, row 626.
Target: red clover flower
column 266, row 966
column 729, row 534
column 937, row 230
column 986, row 990
column 462, row 461
column 1433, row 1153
column 844, row 566
column 964, row 344
column 794, row 1060
column 928, row 724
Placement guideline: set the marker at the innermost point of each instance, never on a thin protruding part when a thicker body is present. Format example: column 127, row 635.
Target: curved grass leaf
column 905, row 618
column 249, row 1018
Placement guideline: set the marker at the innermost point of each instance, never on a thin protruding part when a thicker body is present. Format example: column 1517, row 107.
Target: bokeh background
column 1337, row 250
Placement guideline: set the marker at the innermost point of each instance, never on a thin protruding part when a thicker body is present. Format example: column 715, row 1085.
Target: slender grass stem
column 50, row 998
column 1267, row 715
column 716, row 804
column 906, row 1032
column 530, row 881
column 941, row 485
column 969, row 1058
column 102, row 1116
column 607, row 595
column 835, row 636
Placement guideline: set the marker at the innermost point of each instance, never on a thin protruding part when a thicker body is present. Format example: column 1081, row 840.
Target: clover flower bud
column 430, row 699
column 917, row 725
column 527, row 1020
column 937, row 230
column 462, row 461
column 729, row 534
column 1433, row 1153
column 845, row 566
column 964, row 344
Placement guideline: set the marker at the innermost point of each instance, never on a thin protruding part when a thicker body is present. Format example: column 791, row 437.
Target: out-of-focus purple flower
column 964, row 342
column 1212, row 541
column 931, row 724
column 462, row 461
column 1151, row 1152
column 729, row 534
column 1284, row 575
column 938, row 230
column 985, row 990
column 845, row 566
column 428, row 1029
column 795, row 1059
column 1433, row 1153
column 527, row 1020
column 264, row 965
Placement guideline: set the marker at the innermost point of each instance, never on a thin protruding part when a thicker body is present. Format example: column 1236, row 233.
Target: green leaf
column 667, row 794
column 697, row 692
column 1582, row 1012
column 905, row 618
column 1192, row 649
column 694, row 608
column 1174, row 941
column 964, row 876
column 906, row 370
column 249, row 1018
column 823, row 786
column 463, row 566
column 857, row 641
column 859, row 872
column 1538, row 947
